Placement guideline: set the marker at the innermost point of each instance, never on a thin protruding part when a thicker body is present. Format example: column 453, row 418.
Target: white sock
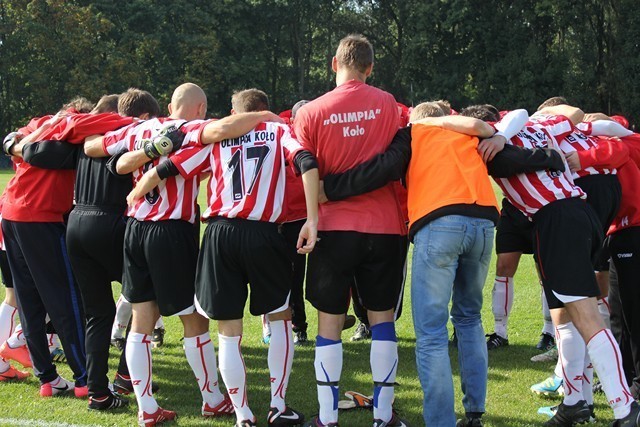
column 571, row 351
column 234, row 375
column 53, row 341
column 123, row 316
column 587, row 379
column 605, row 312
column 201, row 356
column 501, row 303
column 557, row 371
column 8, row 320
column 328, row 366
column 547, row 328
column 280, row 360
column 384, row 365
column 159, row 323
column 17, row 339
column 607, row 362
column 138, row 354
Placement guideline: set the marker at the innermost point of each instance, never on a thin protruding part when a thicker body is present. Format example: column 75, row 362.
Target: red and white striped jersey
column 175, row 197
column 532, row 191
column 578, row 141
column 247, row 173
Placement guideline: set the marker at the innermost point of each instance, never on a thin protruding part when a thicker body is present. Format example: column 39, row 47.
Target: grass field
column 509, row 403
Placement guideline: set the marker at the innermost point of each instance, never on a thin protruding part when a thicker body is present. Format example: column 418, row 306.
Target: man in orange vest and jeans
column 452, row 215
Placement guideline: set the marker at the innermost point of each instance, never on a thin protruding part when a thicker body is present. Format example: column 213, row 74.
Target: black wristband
column 167, row 169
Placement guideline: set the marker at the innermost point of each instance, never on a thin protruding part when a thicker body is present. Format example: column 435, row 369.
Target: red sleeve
column 558, row 126
column 33, row 125
column 84, row 125
column 609, row 153
column 302, row 132
column 633, row 144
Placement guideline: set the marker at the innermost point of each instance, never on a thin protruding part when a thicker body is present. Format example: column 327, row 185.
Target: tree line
column 512, row 53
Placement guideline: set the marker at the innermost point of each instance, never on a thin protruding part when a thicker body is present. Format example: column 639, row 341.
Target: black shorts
column 7, row 279
column 567, row 236
column 514, row 231
column 603, row 194
column 94, row 241
column 236, row 252
column 160, row 264
column 376, row 261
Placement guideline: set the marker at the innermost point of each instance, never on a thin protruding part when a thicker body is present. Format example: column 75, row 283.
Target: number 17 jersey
column 247, row 173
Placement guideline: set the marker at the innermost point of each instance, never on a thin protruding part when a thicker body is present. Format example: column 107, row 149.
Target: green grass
column 509, row 402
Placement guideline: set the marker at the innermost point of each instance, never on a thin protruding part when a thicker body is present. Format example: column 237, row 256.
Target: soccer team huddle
column 342, row 186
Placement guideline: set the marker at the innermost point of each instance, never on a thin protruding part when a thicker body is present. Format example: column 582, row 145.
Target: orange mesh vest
column 445, row 169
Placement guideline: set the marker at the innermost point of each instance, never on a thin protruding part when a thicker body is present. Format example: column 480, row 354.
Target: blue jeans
column 451, row 258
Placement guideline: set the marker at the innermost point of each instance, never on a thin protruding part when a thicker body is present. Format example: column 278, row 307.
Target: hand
column 322, row 197
column 592, row 117
column 308, row 234
column 132, row 198
column 158, row 146
column 175, row 135
column 273, row 117
column 573, row 161
column 488, row 148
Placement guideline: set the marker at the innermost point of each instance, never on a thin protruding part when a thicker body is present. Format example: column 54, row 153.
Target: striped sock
column 234, row 375
column 201, row 356
column 280, row 360
column 138, row 354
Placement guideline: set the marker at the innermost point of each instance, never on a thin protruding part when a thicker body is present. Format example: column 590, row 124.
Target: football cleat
column 568, row 415
column 157, row 339
column 122, row 385
column 12, row 374
column 300, row 337
column 81, row 392
column 246, row 423
column 221, row 409
column 395, row 421
column 550, row 411
column 349, row 322
column 469, row 422
column 552, row 386
column 494, row 341
column 107, row 403
column 315, row 422
column 631, row 420
column 355, row 400
column 158, row 417
column 549, row 356
column 289, row 417
column 546, row 343
column 362, row 332
column 55, row 387
column 19, row 354
column 58, row 356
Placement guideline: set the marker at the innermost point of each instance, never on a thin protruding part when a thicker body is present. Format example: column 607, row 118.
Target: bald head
column 188, row 102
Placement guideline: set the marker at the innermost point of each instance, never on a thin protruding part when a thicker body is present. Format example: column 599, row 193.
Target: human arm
column 460, row 124
column 506, row 129
column 235, row 125
column 51, row 154
column 309, row 232
column 130, row 161
column 514, row 160
column 148, row 182
column 574, row 114
column 93, row 146
column 609, row 153
column 16, row 148
column 391, row 165
column 608, row 128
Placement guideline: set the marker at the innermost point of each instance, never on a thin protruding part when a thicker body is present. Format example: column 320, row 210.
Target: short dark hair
column 484, row 112
column 249, row 100
column 135, row 102
column 426, row 109
column 106, row 104
column 355, row 52
column 552, row 102
column 80, row 104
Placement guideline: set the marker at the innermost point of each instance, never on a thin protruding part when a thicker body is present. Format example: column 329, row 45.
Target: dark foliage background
column 509, row 53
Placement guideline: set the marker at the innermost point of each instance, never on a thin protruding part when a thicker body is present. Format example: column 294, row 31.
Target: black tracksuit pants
column 95, row 244
column 44, row 283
